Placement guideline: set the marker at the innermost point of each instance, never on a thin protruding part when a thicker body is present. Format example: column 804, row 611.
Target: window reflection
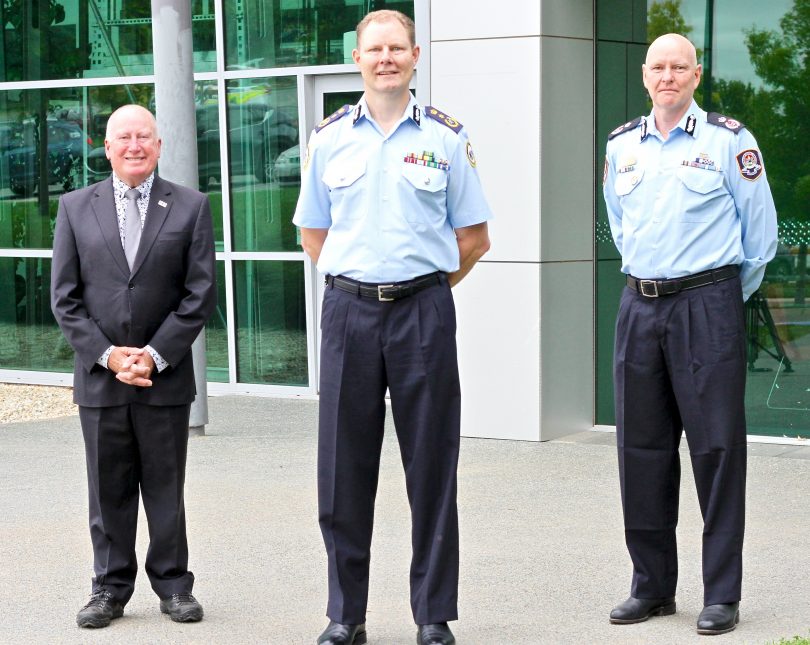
column 271, row 322
column 285, row 33
column 51, row 142
column 264, row 162
column 216, row 334
column 29, row 336
column 53, row 39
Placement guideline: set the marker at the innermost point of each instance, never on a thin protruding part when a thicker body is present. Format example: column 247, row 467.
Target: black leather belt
column 657, row 288
column 385, row 292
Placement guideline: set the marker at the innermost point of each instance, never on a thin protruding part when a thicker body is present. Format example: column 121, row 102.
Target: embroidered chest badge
column 428, row 159
column 627, row 164
column 750, row 164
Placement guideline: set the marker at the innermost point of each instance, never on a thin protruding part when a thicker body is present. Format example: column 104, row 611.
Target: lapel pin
column 162, row 203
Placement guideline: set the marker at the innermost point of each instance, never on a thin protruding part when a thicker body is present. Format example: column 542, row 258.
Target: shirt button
column 427, row 181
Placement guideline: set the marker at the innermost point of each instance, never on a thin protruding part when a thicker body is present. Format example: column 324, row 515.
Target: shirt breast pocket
column 427, row 186
column 343, row 178
column 699, row 184
column 626, row 182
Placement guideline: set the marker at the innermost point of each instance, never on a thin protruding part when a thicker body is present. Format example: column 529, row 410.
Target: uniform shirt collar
column 413, row 112
column 690, row 122
column 120, row 188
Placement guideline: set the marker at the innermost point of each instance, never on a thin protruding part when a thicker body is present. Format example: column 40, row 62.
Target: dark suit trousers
column 130, row 448
column 680, row 365
column 409, row 347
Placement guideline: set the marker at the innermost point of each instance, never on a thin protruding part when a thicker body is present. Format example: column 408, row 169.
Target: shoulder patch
column 630, row 125
column 441, row 117
column 722, row 121
column 750, row 164
column 338, row 114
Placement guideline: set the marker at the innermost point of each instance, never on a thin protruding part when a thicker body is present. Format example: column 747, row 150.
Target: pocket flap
column 344, row 173
column 699, row 180
column 425, row 177
column 626, row 182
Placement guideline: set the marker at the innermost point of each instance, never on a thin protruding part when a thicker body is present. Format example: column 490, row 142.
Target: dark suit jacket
column 164, row 302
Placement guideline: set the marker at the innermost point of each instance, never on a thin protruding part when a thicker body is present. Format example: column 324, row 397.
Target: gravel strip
column 30, row 402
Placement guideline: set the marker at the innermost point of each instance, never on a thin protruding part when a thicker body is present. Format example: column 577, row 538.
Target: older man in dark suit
column 131, row 288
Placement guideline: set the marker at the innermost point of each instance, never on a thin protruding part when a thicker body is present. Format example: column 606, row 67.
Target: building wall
column 522, row 82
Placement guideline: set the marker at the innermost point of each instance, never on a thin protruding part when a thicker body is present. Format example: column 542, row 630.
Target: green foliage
column 781, row 111
column 16, row 12
column 665, row 17
column 796, row 640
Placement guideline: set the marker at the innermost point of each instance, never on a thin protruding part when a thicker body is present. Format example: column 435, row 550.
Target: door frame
column 315, row 88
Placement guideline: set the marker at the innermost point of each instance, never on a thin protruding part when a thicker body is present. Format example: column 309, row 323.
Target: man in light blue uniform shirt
column 693, row 218
column 392, row 211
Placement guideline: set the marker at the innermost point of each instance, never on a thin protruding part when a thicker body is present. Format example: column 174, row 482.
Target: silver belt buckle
column 643, row 284
column 380, row 295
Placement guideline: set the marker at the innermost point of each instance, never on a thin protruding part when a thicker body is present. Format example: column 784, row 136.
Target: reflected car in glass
column 287, row 168
column 66, row 144
column 256, row 136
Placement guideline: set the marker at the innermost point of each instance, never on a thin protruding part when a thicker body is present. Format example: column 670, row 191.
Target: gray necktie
column 132, row 226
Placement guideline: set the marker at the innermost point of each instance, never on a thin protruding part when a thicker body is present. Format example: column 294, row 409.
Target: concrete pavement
column 542, row 562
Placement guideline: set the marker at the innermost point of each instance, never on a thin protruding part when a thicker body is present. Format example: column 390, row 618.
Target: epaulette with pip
column 715, row 118
column 337, row 114
column 441, row 117
column 630, row 125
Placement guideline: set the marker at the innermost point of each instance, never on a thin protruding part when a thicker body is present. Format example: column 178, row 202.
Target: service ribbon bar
column 427, row 159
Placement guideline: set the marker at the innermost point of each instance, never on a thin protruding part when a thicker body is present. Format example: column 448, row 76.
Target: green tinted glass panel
column 753, row 70
column 51, row 141
column 29, row 336
column 286, row 33
column 54, row 39
column 333, row 101
column 216, row 334
column 69, row 124
column 264, row 162
column 208, row 157
column 271, row 322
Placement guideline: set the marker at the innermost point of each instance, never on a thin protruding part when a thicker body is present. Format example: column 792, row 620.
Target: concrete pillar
column 174, row 105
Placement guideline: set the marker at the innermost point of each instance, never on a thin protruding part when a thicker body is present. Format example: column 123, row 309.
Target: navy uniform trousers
column 130, row 449
column 408, row 346
column 680, row 364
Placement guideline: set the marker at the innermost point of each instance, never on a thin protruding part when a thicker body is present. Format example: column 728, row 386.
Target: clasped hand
column 132, row 365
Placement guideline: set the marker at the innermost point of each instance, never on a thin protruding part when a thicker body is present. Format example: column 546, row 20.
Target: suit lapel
column 103, row 205
column 160, row 203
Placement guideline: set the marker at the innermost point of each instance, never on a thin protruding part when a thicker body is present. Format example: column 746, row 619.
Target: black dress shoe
column 435, row 634
column 101, row 609
column 637, row 610
column 182, row 608
column 339, row 634
column 718, row 619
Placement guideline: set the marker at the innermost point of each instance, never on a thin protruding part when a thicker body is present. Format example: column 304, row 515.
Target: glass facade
column 289, row 33
column 58, row 39
column 754, row 71
column 65, row 65
column 263, row 129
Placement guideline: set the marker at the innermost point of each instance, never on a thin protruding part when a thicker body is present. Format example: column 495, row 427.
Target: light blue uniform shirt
column 391, row 202
column 691, row 202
